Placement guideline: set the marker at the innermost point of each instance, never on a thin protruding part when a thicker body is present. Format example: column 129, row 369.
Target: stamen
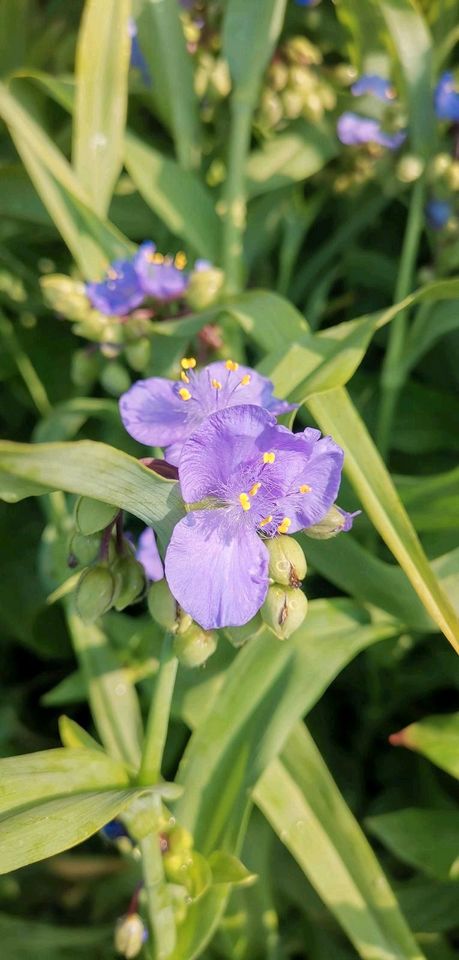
column 188, row 363
column 269, row 457
column 265, row 521
column 283, row 527
column 244, row 501
column 231, row 365
column 184, row 377
column 180, row 260
column 112, row 274
column 184, row 394
column 155, row 257
column 254, row 489
column 245, row 380
column 305, row 488
column 216, row 384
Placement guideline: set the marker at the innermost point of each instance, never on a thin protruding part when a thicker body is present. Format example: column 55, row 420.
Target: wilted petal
column 217, row 569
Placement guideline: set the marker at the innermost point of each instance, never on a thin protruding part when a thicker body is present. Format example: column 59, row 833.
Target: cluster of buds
column 285, row 607
column 111, row 575
column 192, row 645
column 295, row 86
column 441, row 209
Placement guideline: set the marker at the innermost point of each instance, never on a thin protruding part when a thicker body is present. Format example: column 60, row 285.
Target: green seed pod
column 84, row 549
column 93, row 515
column 329, row 527
column 284, row 610
column 194, row 646
column 238, row 636
column 162, row 605
column 65, row 296
column 287, row 562
column 130, row 935
column 204, row 288
column 130, row 580
column 95, row 592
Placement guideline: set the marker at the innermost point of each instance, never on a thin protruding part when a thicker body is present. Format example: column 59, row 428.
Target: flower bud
column 84, row 549
column 193, row 647
column 409, row 168
column 130, row 935
column 93, row 515
column 333, row 523
column 238, row 636
column 287, row 562
column 130, row 581
column 138, row 354
column 284, row 610
column 85, row 368
column 95, row 592
column 301, row 50
column 278, row 75
column 204, row 288
column 115, row 379
column 162, row 605
column 66, row 296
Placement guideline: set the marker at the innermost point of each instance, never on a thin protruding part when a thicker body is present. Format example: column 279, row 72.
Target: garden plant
column 229, row 567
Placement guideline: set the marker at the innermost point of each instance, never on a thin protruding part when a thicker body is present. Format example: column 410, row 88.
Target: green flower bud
column 93, row 515
column 130, row 580
column 287, row 562
column 115, row 379
column 238, row 636
column 301, row 50
column 194, row 646
column 284, row 610
column 409, row 168
column 179, row 840
column 271, row 110
column 278, row 75
column 85, row 368
column 162, row 605
column 292, row 103
column 84, row 549
column 130, row 935
column 65, row 296
column 329, row 527
column 95, row 592
column 138, row 354
column 204, row 288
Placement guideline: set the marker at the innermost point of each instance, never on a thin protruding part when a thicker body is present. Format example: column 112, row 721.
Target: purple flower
column 446, row 97
column 148, row 555
column 354, row 130
column 258, row 480
column 307, row 3
column 348, row 519
column 119, row 293
column 438, row 213
column 165, row 413
column 373, row 84
column 160, row 277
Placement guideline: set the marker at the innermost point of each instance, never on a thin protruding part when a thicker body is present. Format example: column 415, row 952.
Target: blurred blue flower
column 160, row 277
column 114, row 830
column 119, row 293
column 374, row 85
column 354, row 130
column 438, row 213
column 446, row 97
column 148, row 555
column 138, row 61
column 307, row 3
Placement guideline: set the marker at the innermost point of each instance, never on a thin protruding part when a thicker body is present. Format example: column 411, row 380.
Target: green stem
column 160, row 909
column 158, row 717
column 25, row 367
column 392, row 377
column 234, row 198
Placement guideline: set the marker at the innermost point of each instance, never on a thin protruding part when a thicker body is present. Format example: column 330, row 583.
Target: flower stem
column 160, row 909
column 158, row 717
column 234, row 200
column 392, row 377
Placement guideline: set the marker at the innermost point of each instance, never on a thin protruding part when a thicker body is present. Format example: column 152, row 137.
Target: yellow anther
column 184, row 394
column 216, row 384
column 231, row 365
column 180, row 260
column 245, row 380
column 155, row 257
column 283, row 527
column 305, row 488
column 269, row 457
column 184, row 377
column 254, row 489
column 188, row 363
column 244, row 501
column 112, row 274
column 265, row 521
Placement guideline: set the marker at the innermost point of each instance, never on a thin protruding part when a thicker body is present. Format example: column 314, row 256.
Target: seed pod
column 162, row 605
column 95, row 592
column 130, row 579
column 284, row 610
column 84, row 549
column 93, row 515
column 130, row 935
column 332, row 524
column 194, row 646
column 287, row 562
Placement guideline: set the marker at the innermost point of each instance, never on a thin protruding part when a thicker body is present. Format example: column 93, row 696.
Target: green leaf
column 426, row 839
column 21, row 939
column 92, row 470
column 436, row 737
column 102, row 64
column 289, row 157
column 170, row 65
column 228, row 869
column 303, row 804
column 72, row 735
column 177, row 196
column 14, row 19
column 249, row 34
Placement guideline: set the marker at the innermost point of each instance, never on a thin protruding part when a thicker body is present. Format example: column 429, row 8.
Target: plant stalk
column 234, row 197
column 158, row 717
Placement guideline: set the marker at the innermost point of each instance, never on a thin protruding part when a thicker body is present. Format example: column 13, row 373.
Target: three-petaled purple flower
column 446, row 97
column 164, row 413
column 354, row 130
column 248, row 479
column 375, row 85
column 160, row 276
column 148, row 274
column 119, row 293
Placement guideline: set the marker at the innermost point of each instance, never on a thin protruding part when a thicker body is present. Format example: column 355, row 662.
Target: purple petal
column 321, row 471
column 259, row 390
column 119, row 293
column 217, row 569
column 446, row 98
column 148, row 555
column 153, row 412
column 354, row 130
column 348, row 518
column 159, row 278
column 375, row 85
